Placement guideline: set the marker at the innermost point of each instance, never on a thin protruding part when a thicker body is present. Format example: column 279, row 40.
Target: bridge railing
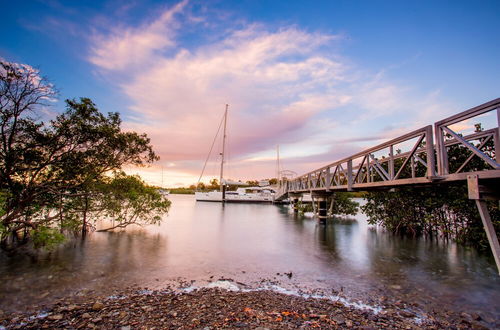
column 386, row 164
column 486, row 148
column 381, row 165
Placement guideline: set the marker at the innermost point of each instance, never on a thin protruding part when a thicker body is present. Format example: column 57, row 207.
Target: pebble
column 406, row 314
column 98, row 306
column 55, row 317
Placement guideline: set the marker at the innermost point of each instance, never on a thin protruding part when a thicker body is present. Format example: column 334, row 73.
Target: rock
column 395, row 287
column 476, row 316
column 43, row 295
column 122, row 314
column 339, row 320
column 465, row 315
column 348, row 323
column 406, row 314
column 86, row 316
column 466, row 322
column 71, row 308
column 478, row 326
column 98, row 306
column 147, row 308
column 127, row 327
column 55, row 317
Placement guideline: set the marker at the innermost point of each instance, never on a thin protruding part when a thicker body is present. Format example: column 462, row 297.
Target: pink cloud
column 282, row 87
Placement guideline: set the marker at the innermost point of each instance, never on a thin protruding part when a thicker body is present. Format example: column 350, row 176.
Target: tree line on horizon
column 215, row 185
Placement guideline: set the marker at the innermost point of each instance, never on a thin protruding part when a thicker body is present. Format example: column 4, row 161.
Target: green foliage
column 183, row 191
column 50, row 172
column 273, row 181
column 214, row 185
column 3, row 231
column 303, row 207
column 128, row 200
column 3, row 202
column 441, row 210
column 46, row 237
column 438, row 210
column 344, row 205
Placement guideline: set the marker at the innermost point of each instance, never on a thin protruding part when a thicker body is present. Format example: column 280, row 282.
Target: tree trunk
column 85, row 209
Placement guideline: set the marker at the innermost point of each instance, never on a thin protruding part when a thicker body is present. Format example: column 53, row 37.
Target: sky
column 321, row 79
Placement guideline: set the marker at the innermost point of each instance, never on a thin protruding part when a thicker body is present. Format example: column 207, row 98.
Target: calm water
column 252, row 244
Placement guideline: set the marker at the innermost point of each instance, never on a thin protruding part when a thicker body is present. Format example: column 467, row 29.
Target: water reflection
column 101, row 260
column 248, row 243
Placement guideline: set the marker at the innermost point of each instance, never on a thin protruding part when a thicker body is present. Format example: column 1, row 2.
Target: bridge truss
column 429, row 158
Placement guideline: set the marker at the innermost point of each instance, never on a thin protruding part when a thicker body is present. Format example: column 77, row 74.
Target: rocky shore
column 214, row 308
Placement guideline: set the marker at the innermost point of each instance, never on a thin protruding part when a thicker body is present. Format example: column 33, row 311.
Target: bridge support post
column 295, row 205
column 478, row 193
column 322, row 208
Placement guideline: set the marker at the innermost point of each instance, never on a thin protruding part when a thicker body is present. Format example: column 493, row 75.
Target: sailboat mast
column 223, row 152
column 278, row 162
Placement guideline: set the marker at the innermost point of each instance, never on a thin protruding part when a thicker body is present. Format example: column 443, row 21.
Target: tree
column 128, row 200
column 440, row 210
column 44, row 166
column 343, row 204
column 214, row 185
column 273, row 181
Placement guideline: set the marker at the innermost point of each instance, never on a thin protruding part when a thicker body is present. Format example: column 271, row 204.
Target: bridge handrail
column 441, row 129
column 379, row 147
column 322, row 177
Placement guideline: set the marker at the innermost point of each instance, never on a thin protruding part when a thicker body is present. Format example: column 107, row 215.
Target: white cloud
column 126, row 47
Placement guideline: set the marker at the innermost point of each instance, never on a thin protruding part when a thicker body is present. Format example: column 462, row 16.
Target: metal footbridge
column 426, row 156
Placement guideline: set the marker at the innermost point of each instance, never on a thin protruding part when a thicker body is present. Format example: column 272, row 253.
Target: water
column 258, row 246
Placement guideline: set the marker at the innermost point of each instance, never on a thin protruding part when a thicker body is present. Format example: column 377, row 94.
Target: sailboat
column 242, row 194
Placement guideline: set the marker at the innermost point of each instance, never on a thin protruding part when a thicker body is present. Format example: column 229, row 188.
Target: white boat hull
column 216, row 196
column 211, row 196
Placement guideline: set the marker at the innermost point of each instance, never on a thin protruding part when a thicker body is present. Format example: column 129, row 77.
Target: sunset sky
column 321, row 79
